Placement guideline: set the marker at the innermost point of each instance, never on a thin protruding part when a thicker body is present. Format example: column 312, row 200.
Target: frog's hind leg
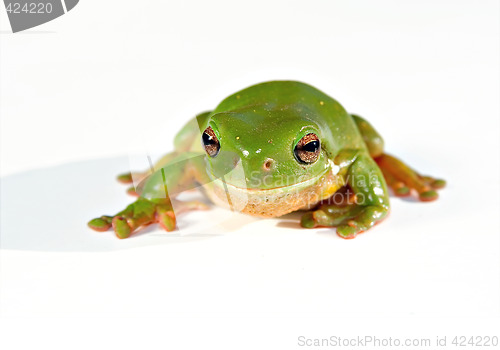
column 402, row 179
column 374, row 142
column 183, row 142
column 135, row 178
column 398, row 176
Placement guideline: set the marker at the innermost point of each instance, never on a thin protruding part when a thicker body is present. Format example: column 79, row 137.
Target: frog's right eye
column 210, row 142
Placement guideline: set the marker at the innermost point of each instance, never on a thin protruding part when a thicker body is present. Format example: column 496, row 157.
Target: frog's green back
column 339, row 129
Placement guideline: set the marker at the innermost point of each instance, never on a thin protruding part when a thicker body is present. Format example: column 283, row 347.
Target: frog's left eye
column 307, row 149
column 210, row 142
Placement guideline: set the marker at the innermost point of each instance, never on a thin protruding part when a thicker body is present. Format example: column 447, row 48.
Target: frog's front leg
column 157, row 192
column 140, row 213
column 371, row 202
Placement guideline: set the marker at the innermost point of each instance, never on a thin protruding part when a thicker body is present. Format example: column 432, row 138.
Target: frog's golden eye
column 210, row 142
column 307, row 149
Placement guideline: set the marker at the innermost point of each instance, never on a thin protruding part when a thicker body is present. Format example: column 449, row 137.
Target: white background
column 119, row 78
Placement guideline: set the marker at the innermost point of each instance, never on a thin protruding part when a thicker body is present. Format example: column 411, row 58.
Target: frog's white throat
column 276, row 201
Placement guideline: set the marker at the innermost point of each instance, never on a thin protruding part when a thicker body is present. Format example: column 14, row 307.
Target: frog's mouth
column 276, row 201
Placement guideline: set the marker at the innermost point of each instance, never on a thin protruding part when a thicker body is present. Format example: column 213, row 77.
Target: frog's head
column 267, row 153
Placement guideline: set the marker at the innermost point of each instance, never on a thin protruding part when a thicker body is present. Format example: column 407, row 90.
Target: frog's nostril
column 268, row 164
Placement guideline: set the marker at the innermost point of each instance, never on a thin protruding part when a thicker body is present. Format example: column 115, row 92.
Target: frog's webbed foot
column 349, row 219
column 140, row 213
column 402, row 179
column 144, row 212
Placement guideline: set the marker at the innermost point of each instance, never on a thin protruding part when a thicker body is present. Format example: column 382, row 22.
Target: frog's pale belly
column 274, row 202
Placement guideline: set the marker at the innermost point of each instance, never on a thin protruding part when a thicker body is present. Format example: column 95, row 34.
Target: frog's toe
column 400, row 189
column 132, row 191
column 434, row 183
column 307, row 220
column 324, row 216
column 167, row 220
column 125, row 178
column 403, row 180
column 348, row 231
column 101, row 224
column 438, row 184
column 428, row 193
column 428, row 196
column 121, row 227
column 134, row 179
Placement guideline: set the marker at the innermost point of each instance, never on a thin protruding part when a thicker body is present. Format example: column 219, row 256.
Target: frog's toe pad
column 348, row 231
column 101, row 224
column 125, row 178
column 132, row 191
column 167, row 220
column 438, row 184
column 307, row 220
column 428, row 196
column 401, row 190
column 121, row 227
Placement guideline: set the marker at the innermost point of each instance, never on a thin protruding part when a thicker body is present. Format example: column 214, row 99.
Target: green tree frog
column 271, row 149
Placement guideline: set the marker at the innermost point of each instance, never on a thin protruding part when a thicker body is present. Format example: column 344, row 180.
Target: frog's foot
column 140, row 213
column 349, row 219
column 402, row 179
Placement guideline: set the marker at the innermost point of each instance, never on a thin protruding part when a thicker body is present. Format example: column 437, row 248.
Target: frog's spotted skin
column 271, row 149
